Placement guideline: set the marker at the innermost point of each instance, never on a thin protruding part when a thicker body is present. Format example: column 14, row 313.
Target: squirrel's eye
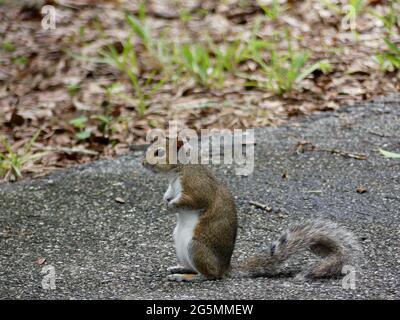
column 159, row 152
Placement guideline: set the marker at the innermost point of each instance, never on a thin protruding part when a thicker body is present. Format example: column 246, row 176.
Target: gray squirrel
column 206, row 229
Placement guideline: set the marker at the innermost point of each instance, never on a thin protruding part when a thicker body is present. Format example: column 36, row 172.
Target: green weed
column 274, row 11
column 390, row 59
column 73, row 89
column 80, row 124
column 8, row 46
column 389, row 154
column 284, row 70
column 14, row 162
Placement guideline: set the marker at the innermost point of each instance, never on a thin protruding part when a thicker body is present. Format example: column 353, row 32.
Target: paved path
column 101, row 248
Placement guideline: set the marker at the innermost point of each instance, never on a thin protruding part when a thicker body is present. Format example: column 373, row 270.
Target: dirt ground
column 62, row 103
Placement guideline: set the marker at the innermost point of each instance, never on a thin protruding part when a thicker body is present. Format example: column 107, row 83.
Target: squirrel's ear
column 179, row 144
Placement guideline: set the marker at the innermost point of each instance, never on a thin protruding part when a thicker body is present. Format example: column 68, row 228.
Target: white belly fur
column 186, row 222
column 183, row 235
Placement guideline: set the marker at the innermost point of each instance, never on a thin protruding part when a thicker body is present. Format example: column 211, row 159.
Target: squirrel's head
column 161, row 155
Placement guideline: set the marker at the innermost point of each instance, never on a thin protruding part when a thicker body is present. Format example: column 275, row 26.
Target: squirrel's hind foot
column 186, row 277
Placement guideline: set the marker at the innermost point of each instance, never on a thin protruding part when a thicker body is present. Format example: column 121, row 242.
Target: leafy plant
column 197, row 61
column 114, row 89
column 73, row 89
column 230, row 54
column 352, row 11
column 331, row 6
column 389, row 60
column 274, row 11
column 185, row 16
column 158, row 49
column 8, row 46
column 391, row 18
column 105, row 124
column 14, row 162
column 20, row 60
column 284, row 70
column 140, row 27
column 208, row 63
column 323, row 65
column 126, row 62
column 357, row 6
column 80, row 124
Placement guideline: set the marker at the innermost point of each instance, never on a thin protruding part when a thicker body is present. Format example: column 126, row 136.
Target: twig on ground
column 138, row 147
column 72, row 150
column 261, row 206
column 308, row 146
column 383, row 135
column 346, row 154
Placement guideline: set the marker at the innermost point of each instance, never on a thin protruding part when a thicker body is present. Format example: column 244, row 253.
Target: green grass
column 105, row 124
column 127, row 63
column 185, row 15
column 80, row 124
column 8, row 46
column 13, row 162
column 350, row 12
column 207, row 62
column 274, row 11
column 143, row 86
column 391, row 18
column 389, row 154
column 73, row 89
column 198, row 62
column 390, row 59
column 286, row 70
column 158, row 49
column 230, row 54
column 20, row 60
column 283, row 70
column 357, row 7
column 210, row 63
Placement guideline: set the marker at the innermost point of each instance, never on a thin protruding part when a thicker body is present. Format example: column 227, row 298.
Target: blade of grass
column 389, row 154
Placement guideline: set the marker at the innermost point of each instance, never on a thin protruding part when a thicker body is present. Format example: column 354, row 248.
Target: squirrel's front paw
column 170, row 200
column 171, row 204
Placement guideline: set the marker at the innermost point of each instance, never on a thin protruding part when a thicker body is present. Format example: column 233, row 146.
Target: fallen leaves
column 16, row 120
column 361, row 189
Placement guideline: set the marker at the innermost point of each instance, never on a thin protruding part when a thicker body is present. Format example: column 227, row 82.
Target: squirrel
column 206, row 228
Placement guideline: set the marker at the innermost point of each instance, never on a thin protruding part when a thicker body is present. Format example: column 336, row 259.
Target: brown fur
column 215, row 234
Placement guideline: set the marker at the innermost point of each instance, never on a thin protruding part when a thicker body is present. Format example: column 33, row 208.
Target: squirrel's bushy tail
column 335, row 246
